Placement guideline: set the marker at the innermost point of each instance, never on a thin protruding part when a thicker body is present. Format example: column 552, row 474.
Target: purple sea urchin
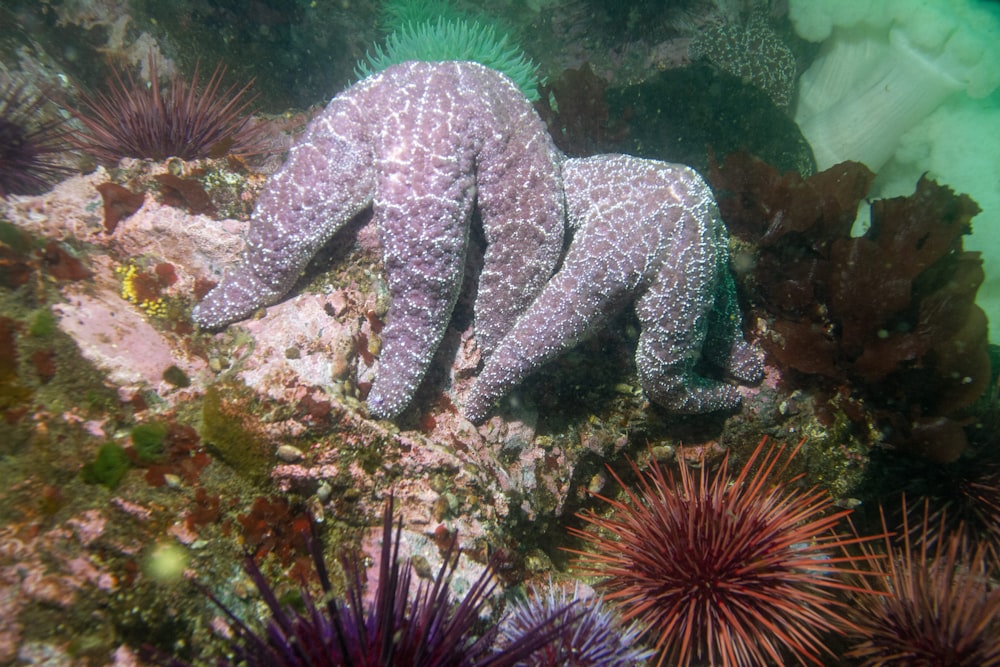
column 591, row 634
column 130, row 119
column 427, row 630
column 28, row 145
column 725, row 569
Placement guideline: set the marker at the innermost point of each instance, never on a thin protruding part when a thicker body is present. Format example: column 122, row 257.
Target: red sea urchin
column 940, row 603
column 130, row 119
column 28, row 146
column 725, row 570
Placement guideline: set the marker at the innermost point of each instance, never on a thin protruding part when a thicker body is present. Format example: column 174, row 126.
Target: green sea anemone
column 397, row 14
column 453, row 38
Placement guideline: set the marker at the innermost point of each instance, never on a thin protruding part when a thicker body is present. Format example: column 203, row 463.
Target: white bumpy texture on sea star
column 422, row 144
column 648, row 233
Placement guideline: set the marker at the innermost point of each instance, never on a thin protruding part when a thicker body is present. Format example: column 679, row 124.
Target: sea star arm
column 326, row 181
column 725, row 346
column 689, row 311
column 458, row 135
column 595, row 280
column 576, row 301
column 648, row 231
column 522, row 209
column 425, row 196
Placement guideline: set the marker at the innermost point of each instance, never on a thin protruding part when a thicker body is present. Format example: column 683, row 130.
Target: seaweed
column 887, row 318
column 119, row 203
column 108, row 467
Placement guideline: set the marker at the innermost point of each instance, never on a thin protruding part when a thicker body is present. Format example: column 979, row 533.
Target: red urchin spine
column 729, row 570
column 940, row 603
column 130, row 120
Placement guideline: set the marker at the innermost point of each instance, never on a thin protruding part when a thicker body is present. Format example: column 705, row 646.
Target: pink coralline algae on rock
column 648, row 233
column 422, row 144
column 118, row 337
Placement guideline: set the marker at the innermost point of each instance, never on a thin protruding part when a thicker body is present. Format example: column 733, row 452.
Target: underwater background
column 174, row 494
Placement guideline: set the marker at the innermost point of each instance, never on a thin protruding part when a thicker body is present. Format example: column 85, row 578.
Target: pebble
column 323, row 492
column 341, row 358
column 315, row 508
column 663, row 453
column 337, row 303
column 290, row 454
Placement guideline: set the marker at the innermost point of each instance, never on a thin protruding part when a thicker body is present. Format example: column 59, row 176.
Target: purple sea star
column 646, row 232
column 422, row 144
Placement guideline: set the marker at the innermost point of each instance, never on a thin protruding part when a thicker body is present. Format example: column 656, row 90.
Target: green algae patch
column 15, row 238
column 227, row 429
column 371, row 459
column 43, row 324
column 108, row 468
column 176, row 377
column 148, row 440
